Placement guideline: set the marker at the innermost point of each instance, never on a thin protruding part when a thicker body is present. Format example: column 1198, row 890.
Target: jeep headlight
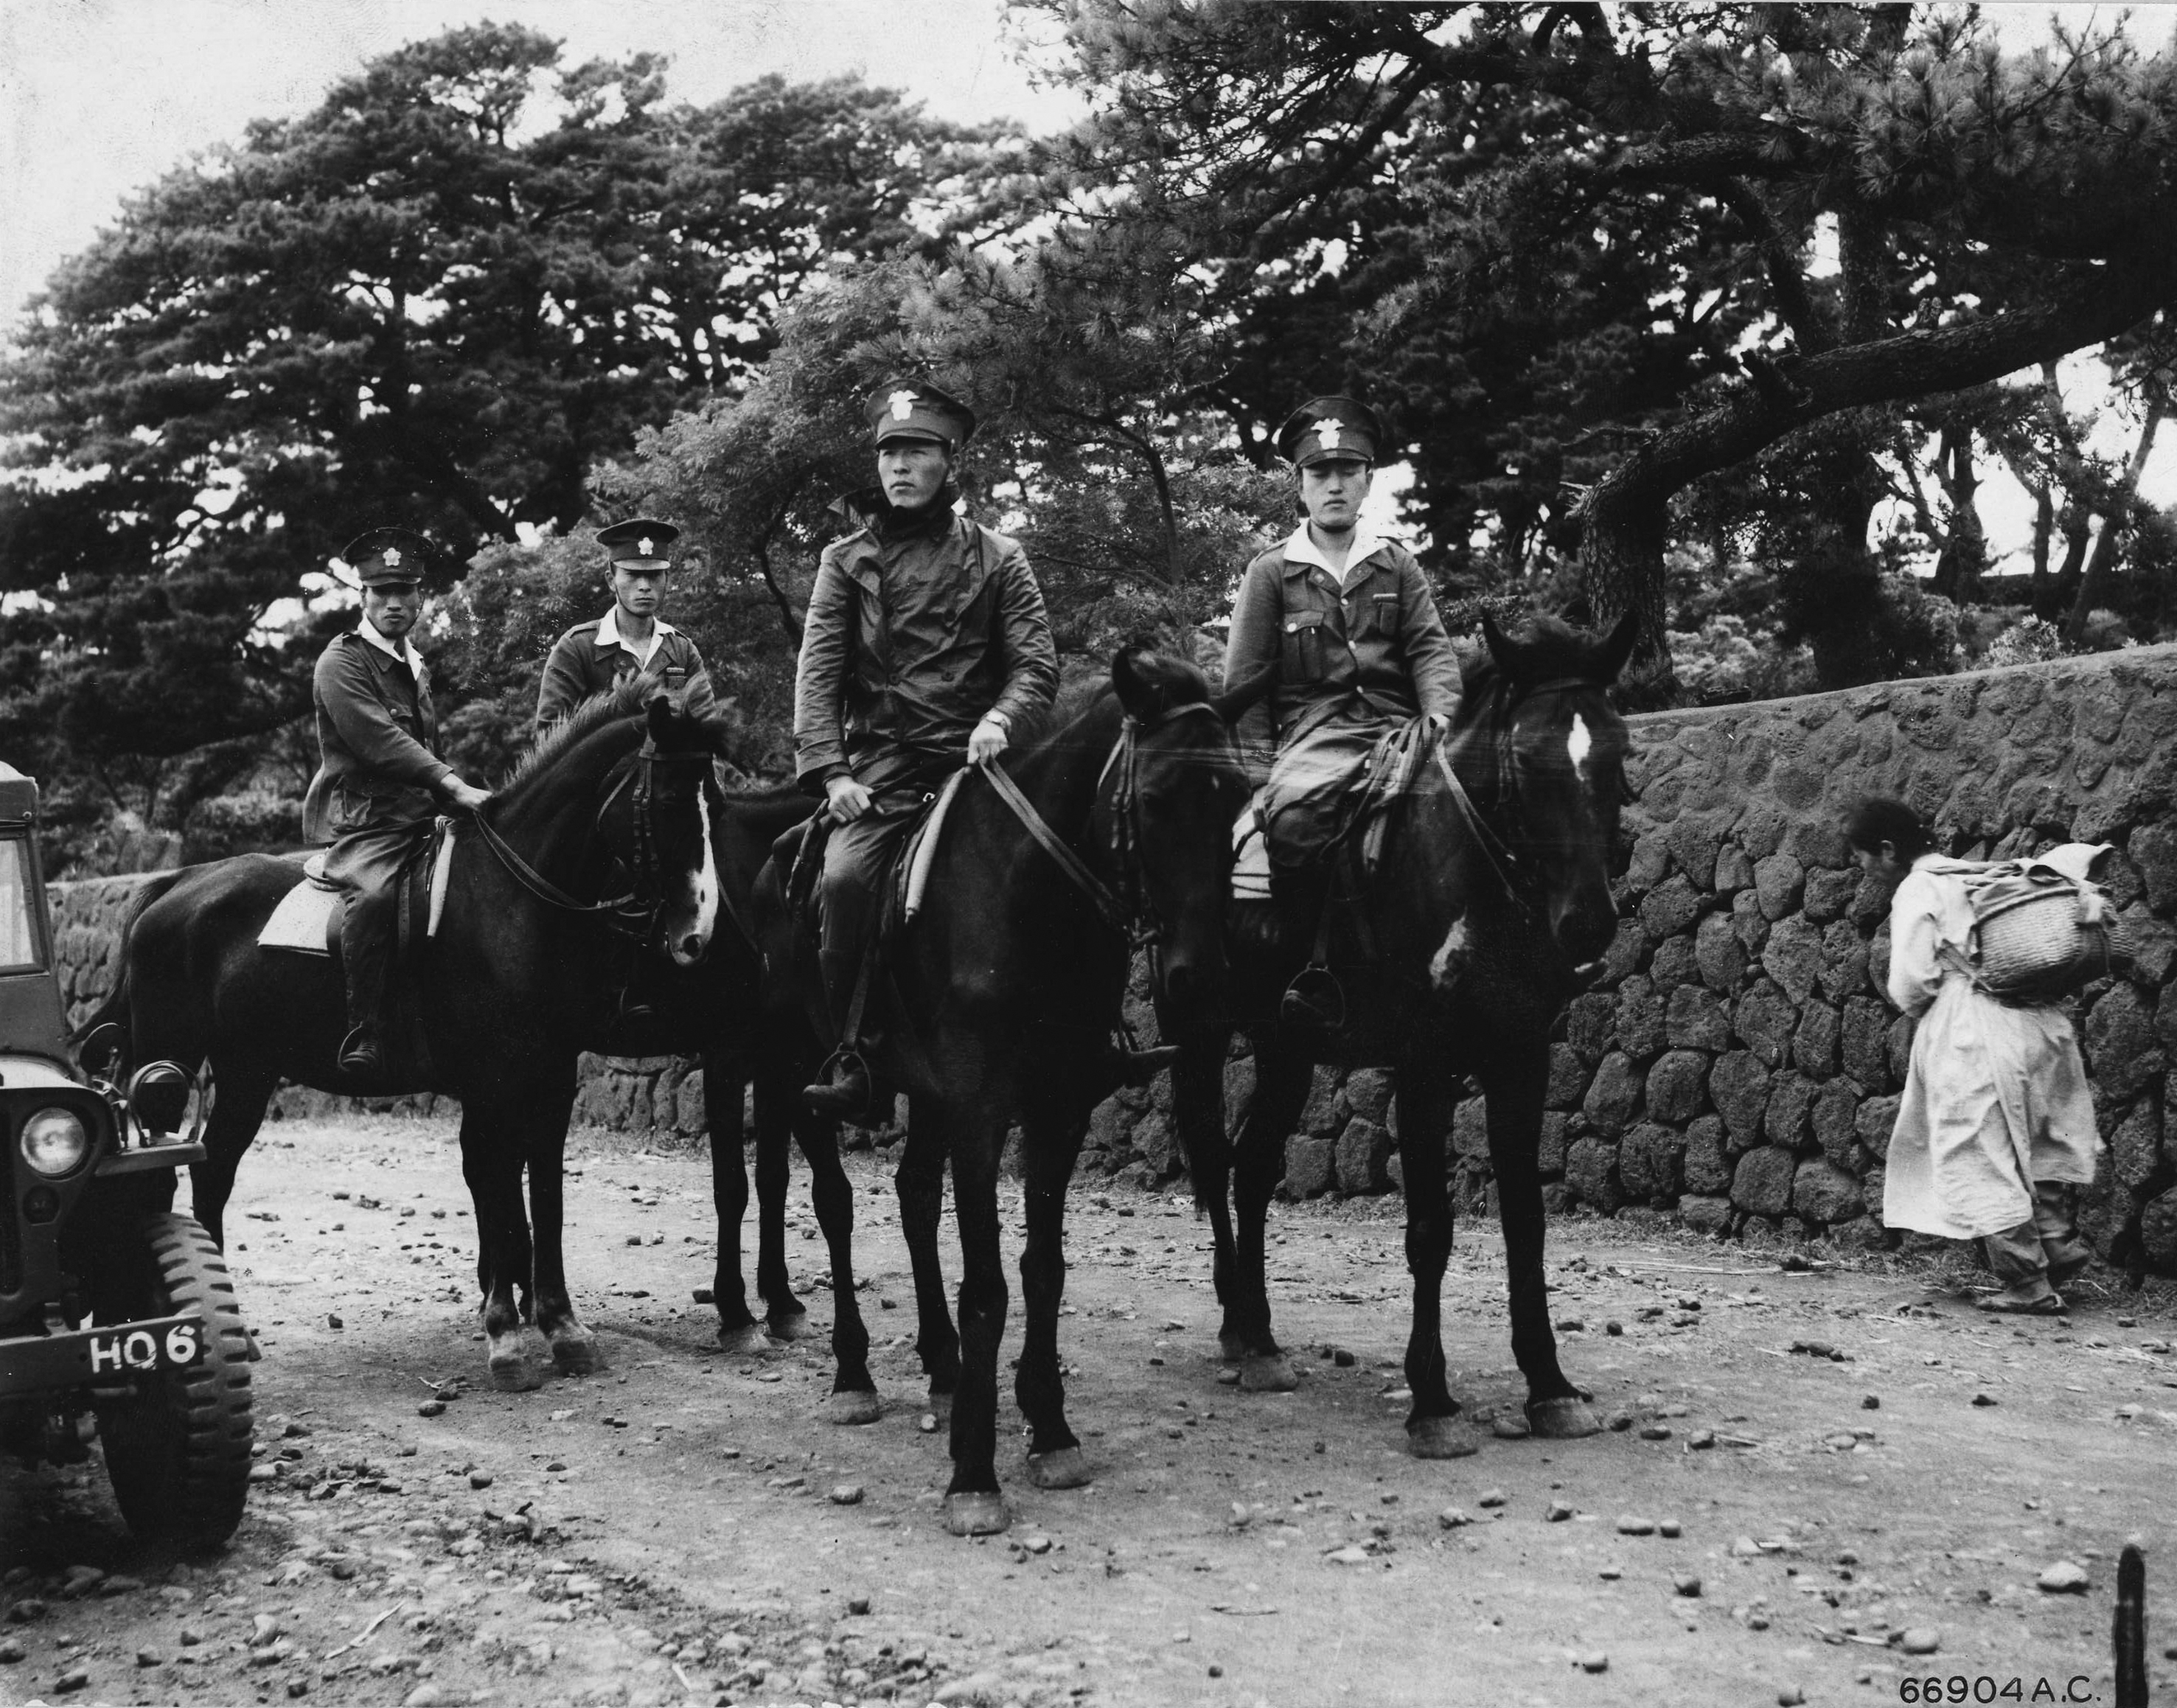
column 55, row 1142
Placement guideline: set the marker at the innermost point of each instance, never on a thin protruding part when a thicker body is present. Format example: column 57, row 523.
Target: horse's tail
column 113, row 1008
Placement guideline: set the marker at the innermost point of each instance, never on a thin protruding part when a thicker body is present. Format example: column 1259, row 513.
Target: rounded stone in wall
column 1676, row 1086
column 1764, row 1020
column 1695, row 1019
column 1779, row 884
column 1834, row 1119
column 1649, row 1161
column 1704, row 1215
column 1705, row 1160
column 1787, row 1120
column 2121, row 1050
column 1761, row 1184
column 1739, row 1087
column 1822, row 1192
column 1591, row 1174
column 1862, row 1048
column 1310, row 1165
column 1718, row 955
column 1815, row 1043
column 1614, row 1094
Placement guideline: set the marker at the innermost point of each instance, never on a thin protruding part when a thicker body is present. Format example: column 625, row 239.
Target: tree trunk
column 1621, row 571
column 2094, row 580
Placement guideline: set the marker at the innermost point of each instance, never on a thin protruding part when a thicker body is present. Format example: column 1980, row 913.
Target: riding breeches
column 367, row 864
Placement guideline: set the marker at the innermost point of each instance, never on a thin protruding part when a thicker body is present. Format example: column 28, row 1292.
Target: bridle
column 1129, row 909
column 633, row 912
column 1516, row 872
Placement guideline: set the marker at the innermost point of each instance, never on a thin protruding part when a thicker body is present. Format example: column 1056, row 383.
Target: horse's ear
column 661, row 712
column 1612, row 659
column 1501, row 647
column 1137, row 692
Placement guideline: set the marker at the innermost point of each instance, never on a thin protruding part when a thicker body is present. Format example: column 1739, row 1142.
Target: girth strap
column 1109, row 907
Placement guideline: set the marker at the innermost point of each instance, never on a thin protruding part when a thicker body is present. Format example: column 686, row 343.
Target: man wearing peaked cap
column 630, row 638
column 927, row 640
column 379, row 778
column 1339, row 626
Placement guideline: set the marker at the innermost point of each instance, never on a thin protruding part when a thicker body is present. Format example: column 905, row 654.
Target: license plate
column 121, row 1351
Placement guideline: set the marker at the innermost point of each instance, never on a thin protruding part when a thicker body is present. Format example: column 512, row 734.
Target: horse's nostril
column 691, row 946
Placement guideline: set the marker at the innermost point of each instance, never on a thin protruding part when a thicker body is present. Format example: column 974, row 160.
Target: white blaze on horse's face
column 706, row 876
column 1578, row 744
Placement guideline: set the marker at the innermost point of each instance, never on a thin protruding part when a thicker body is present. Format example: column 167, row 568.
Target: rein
column 633, row 912
column 1120, row 915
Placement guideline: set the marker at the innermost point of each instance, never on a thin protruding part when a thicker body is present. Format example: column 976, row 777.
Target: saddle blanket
column 307, row 921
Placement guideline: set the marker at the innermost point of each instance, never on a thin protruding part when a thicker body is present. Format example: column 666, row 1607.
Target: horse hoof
column 791, row 1326
column 577, row 1354
column 1442, row 1437
column 976, row 1514
column 511, row 1372
column 747, row 1339
column 940, row 1406
column 1065, row 1467
column 1562, row 1419
column 853, row 1405
column 1267, row 1372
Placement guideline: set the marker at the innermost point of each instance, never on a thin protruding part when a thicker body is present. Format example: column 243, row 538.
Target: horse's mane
column 614, row 704
column 1550, row 649
column 1073, row 701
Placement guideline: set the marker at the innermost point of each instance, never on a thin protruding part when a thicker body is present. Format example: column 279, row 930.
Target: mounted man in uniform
column 379, row 778
column 1342, row 627
column 927, row 640
column 630, row 638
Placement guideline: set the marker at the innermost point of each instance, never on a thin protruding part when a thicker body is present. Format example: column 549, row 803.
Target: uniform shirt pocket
column 1300, row 654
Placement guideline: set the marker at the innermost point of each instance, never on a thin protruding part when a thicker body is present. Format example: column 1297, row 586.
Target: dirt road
column 1766, row 1523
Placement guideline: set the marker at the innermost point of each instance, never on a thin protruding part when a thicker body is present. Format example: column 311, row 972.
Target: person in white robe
column 1997, row 1120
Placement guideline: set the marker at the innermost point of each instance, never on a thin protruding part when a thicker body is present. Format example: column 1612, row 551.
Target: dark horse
column 524, row 973
column 747, row 1032
column 1482, row 914
column 1011, row 982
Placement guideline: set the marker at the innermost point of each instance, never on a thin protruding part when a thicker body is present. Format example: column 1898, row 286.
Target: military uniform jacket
column 378, row 743
column 908, row 642
column 1375, row 648
column 583, row 663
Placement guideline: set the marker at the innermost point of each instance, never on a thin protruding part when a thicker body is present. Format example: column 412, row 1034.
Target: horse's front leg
column 1198, row 1115
column 1282, row 1078
column 785, row 1316
column 975, row 1127
column 1051, row 1146
column 491, row 1164
column 738, row 1329
column 853, row 1390
column 238, row 1110
column 1434, row 1428
column 920, row 1183
column 550, row 1100
column 1513, row 1083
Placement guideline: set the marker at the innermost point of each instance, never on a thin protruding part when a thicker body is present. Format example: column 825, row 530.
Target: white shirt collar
column 609, row 634
column 1366, row 542
column 406, row 651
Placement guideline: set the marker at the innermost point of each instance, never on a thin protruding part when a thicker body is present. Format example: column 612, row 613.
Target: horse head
column 675, row 810
column 1549, row 749
column 1182, row 788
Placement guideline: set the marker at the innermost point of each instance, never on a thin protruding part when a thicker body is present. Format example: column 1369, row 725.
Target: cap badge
column 642, row 546
column 903, row 404
column 392, row 556
column 1327, row 431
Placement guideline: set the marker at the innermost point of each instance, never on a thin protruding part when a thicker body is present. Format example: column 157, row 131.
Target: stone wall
column 1737, row 1067
column 1738, row 1063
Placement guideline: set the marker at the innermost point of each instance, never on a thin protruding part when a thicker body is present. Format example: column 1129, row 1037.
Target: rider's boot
column 365, row 954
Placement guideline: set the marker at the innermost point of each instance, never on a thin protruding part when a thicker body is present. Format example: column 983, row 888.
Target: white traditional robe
column 1996, row 1099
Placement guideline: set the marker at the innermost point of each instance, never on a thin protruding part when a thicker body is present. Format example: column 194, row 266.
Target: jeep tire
column 178, row 1451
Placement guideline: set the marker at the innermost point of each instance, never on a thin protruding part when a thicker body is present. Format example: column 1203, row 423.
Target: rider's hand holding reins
column 845, row 800
column 988, row 741
column 465, row 795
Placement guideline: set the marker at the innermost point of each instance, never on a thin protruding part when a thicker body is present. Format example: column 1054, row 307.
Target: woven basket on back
column 2041, row 939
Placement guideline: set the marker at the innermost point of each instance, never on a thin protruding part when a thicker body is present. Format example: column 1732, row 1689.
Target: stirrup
column 844, row 1087
column 362, row 1053
column 1314, row 998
